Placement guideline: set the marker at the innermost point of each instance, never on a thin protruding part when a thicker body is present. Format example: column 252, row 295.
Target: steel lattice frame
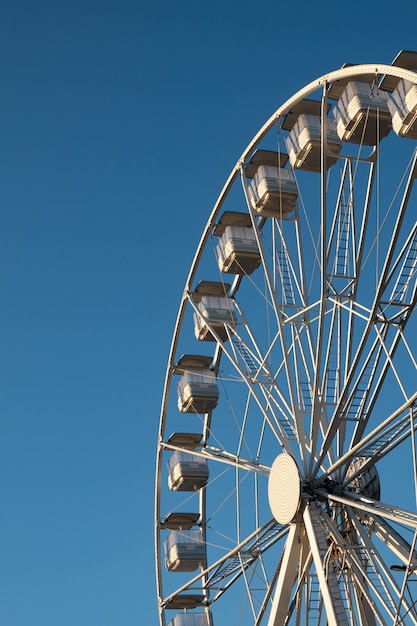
column 320, row 365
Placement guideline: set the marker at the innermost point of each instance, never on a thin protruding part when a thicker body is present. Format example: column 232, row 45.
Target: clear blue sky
column 120, row 122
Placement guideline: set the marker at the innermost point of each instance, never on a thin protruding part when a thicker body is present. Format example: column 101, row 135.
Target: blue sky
column 120, row 123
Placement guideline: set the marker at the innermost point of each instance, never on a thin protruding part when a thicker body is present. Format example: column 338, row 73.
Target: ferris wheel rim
column 343, row 73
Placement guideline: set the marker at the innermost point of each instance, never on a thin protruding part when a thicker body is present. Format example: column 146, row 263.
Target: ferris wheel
column 286, row 473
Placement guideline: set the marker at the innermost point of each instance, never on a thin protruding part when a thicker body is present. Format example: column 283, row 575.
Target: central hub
column 284, row 488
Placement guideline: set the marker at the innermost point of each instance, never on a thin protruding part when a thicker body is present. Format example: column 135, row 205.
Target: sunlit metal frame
column 216, row 578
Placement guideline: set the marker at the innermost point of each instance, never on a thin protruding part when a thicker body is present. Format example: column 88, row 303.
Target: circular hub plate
column 284, row 488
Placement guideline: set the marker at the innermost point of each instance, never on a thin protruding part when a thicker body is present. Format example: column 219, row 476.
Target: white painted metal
column 329, row 584
column 307, row 327
column 284, row 489
column 288, row 565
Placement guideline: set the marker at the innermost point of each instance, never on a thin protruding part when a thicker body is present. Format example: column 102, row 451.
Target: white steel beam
column 286, row 577
column 329, row 585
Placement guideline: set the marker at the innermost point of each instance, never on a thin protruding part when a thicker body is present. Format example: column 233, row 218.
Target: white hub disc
column 284, row 488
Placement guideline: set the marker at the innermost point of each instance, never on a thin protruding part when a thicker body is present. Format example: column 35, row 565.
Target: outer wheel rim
column 313, row 517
